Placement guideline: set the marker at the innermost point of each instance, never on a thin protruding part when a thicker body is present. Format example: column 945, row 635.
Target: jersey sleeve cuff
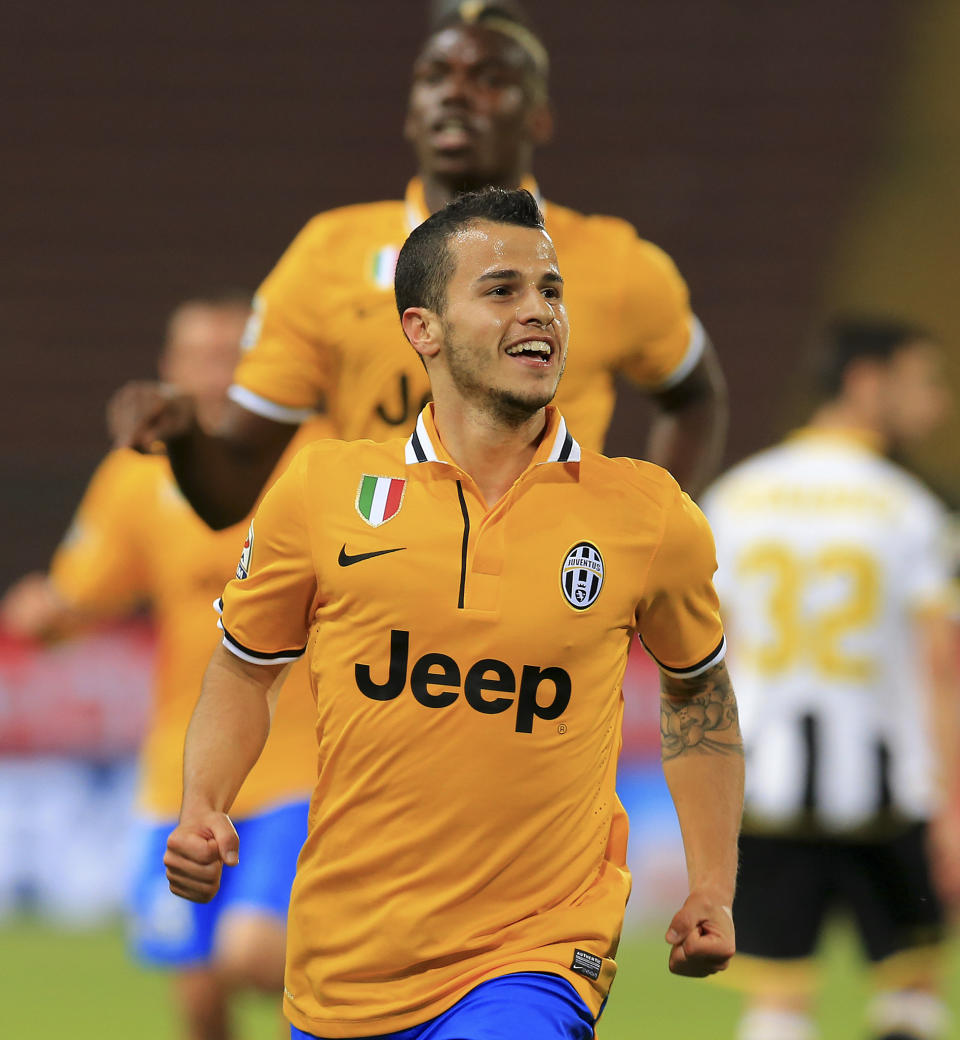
column 268, row 409
column 254, row 656
column 691, row 358
column 693, row 670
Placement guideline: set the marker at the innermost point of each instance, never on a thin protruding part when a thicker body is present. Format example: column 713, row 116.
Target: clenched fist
column 142, row 414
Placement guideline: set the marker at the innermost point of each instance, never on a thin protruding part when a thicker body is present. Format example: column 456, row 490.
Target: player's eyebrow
column 510, row 275
column 443, row 61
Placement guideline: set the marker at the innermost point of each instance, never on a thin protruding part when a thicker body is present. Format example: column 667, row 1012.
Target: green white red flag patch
column 379, row 498
column 243, row 567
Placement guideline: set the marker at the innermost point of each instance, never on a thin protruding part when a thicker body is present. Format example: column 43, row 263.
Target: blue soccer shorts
column 167, row 931
column 531, row 1005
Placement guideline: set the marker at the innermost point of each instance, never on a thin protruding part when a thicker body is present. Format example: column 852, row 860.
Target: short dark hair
column 425, row 264
column 506, row 17
column 850, row 338
column 227, row 298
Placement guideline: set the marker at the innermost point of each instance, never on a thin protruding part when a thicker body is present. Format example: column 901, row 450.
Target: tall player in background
column 325, row 336
column 834, row 579
column 134, row 540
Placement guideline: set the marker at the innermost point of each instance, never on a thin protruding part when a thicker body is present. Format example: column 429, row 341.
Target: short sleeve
column 928, row 559
column 267, row 609
column 98, row 568
column 664, row 339
column 285, row 368
column 679, row 619
column 713, row 504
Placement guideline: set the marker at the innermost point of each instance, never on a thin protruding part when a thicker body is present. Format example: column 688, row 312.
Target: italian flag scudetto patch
column 379, row 498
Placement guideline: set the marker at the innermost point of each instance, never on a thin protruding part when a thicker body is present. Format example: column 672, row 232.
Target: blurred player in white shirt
column 834, row 580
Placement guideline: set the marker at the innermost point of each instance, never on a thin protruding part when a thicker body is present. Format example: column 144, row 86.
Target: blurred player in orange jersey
column 135, row 539
column 324, row 334
column 466, row 599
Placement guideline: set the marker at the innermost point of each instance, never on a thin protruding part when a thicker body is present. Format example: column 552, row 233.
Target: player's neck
column 438, row 191
column 493, row 452
column 840, row 416
column 210, row 413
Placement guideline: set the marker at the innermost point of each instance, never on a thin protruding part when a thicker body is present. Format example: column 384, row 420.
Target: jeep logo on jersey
column 243, row 567
column 436, row 681
column 379, row 498
column 581, row 576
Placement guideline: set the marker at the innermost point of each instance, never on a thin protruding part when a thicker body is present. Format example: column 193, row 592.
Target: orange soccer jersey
column 326, row 332
column 467, row 664
column 136, row 539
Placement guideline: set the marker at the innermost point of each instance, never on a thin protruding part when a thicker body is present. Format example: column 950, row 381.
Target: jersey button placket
column 483, row 550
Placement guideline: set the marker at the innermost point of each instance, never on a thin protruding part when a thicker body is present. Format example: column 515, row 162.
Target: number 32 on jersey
column 813, row 607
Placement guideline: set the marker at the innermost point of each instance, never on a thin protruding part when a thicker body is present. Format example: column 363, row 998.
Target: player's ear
column 863, row 381
column 541, row 122
column 422, row 328
column 410, row 125
column 163, row 365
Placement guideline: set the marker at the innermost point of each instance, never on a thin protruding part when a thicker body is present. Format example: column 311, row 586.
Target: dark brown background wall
column 149, row 152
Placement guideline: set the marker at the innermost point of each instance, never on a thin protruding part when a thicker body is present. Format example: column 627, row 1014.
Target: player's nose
column 534, row 308
column 455, row 88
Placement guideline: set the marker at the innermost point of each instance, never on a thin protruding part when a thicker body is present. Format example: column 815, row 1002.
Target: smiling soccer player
column 465, row 873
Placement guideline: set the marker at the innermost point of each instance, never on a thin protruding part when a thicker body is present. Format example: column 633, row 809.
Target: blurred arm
column 32, row 608
column 98, row 570
column 702, row 756
column 226, row 734
column 938, row 636
column 689, row 432
column 221, row 473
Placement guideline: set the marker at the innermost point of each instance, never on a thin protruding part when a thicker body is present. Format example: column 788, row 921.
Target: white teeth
column 538, row 345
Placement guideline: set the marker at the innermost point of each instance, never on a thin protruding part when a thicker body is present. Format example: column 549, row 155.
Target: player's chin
column 537, row 388
column 459, row 165
column 539, row 396
column 517, row 405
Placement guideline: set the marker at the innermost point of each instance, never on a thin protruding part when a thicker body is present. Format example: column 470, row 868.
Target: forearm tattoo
column 699, row 715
